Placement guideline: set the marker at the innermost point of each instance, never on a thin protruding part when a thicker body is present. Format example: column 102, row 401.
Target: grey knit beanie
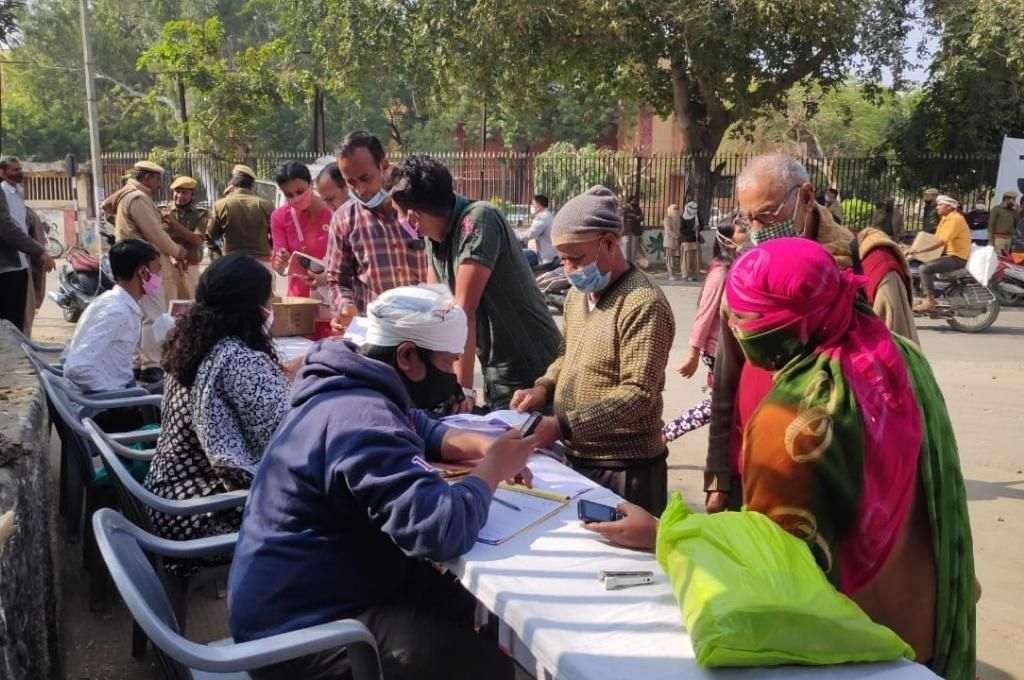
column 587, row 217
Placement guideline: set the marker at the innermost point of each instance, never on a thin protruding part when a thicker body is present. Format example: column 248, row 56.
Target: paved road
column 982, row 377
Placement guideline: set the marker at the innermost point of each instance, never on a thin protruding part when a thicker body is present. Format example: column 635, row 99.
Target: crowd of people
column 823, row 412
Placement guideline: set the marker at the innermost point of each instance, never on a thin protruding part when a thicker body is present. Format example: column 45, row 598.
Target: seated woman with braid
column 225, row 394
column 852, row 451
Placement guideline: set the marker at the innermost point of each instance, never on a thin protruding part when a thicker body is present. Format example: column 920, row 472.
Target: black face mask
column 436, row 388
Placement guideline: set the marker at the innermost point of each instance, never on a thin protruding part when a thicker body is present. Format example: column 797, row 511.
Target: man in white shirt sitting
column 100, row 354
column 545, row 257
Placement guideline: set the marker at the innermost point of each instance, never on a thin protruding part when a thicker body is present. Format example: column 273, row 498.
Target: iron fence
column 511, row 179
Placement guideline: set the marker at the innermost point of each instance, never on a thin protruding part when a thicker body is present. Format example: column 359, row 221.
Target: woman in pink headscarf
column 852, row 451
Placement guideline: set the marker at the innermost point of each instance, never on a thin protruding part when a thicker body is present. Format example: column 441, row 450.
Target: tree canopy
column 744, row 73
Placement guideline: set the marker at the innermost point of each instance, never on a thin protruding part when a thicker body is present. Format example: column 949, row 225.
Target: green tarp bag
column 752, row 595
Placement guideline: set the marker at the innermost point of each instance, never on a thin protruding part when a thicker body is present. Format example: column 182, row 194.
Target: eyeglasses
column 765, row 218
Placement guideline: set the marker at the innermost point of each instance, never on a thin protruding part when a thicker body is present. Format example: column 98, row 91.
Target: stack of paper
column 495, row 422
column 515, row 511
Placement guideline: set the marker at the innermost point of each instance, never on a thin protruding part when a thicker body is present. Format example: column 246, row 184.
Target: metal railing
column 511, row 178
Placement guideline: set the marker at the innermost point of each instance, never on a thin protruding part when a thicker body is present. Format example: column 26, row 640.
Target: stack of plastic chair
column 124, row 547
column 135, row 502
column 82, row 485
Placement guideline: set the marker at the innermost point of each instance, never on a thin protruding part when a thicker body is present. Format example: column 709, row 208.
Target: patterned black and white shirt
column 213, row 436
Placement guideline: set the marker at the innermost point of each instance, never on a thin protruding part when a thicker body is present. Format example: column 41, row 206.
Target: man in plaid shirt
column 368, row 252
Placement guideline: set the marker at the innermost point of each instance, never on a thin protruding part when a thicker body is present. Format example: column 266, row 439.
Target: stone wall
column 29, row 648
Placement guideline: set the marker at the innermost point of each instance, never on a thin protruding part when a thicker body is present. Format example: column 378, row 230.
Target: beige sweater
column 610, row 371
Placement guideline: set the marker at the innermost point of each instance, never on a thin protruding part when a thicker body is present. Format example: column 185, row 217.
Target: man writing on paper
column 345, row 511
column 607, row 380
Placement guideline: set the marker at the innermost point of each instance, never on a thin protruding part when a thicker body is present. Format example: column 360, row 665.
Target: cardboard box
column 925, row 240
column 294, row 316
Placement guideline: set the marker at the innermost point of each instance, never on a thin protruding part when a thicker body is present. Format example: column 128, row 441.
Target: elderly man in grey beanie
column 605, row 385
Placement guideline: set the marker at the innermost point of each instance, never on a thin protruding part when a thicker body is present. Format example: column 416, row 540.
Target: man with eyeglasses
column 776, row 200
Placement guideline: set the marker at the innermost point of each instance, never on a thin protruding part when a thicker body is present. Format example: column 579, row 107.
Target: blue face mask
column 590, row 279
column 373, row 201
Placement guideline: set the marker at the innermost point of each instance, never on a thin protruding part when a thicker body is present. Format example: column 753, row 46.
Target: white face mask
column 374, row 201
column 269, row 320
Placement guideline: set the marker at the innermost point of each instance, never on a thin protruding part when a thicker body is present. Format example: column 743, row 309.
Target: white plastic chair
column 124, row 547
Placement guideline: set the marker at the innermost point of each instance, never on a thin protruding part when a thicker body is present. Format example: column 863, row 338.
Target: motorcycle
column 82, row 279
column 1008, row 282
column 965, row 303
column 554, row 286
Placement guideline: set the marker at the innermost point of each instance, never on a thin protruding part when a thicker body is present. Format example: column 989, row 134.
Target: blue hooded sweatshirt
column 343, row 503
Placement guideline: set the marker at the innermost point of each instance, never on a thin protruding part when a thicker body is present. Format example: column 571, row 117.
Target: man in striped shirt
column 368, row 252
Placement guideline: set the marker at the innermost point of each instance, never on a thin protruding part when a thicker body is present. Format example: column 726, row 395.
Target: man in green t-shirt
column 472, row 249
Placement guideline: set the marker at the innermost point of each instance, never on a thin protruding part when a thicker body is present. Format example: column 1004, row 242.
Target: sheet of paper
column 548, row 475
column 356, row 331
column 503, row 522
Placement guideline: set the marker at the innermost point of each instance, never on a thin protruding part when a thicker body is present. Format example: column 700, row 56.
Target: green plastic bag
column 752, row 595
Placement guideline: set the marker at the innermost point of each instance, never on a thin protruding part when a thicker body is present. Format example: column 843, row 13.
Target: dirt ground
column 982, row 378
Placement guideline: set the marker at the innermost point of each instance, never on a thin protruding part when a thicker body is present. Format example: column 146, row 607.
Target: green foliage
column 563, row 171
column 974, row 95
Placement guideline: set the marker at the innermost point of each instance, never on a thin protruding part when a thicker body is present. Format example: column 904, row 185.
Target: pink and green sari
column 863, row 428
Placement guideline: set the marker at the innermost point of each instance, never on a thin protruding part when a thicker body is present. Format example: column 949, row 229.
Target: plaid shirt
column 368, row 253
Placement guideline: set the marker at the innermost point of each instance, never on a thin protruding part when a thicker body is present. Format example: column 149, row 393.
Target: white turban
column 423, row 315
column 948, row 200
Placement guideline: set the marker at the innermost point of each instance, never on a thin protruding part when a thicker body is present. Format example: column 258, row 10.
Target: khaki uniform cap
column 183, row 183
column 148, row 166
column 241, row 169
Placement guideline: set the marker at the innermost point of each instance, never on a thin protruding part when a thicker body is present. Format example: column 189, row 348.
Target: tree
column 712, row 63
column 973, row 98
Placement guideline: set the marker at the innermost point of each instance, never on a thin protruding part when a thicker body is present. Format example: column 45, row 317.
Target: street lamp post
column 98, row 192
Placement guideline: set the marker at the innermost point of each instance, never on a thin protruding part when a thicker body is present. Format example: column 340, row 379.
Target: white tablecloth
column 559, row 622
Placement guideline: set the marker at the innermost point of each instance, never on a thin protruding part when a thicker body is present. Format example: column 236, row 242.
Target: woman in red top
column 300, row 226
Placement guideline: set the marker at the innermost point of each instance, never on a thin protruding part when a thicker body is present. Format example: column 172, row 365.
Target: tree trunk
column 702, row 126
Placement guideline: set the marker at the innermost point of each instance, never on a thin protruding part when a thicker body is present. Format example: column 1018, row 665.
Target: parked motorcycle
column 554, row 286
column 966, row 304
column 82, row 279
column 1008, row 282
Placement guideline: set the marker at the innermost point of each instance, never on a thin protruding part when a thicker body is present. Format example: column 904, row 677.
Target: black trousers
column 941, row 265
column 643, row 482
column 425, row 633
column 13, row 291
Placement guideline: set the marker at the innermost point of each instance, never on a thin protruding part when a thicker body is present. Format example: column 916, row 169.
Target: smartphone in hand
column 589, row 511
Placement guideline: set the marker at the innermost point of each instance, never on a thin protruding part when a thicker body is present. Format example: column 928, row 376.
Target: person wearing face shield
column 606, row 383
column 368, row 251
column 346, row 512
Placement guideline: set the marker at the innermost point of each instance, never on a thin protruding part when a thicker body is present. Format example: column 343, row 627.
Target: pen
column 507, row 504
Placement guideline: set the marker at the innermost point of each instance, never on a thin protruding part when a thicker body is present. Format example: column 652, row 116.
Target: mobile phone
column 530, row 426
column 589, row 511
column 310, row 265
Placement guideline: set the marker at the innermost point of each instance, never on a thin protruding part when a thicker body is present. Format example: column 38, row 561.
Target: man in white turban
column 346, row 512
column 954, row 238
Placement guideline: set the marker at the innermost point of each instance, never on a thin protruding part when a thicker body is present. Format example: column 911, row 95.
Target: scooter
column 1008, row 282
column 82, row 279
column 965, row 303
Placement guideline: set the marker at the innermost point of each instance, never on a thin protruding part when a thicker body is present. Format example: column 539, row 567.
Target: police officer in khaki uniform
column 186, row 223
column 242, row 218
column 136, row 216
